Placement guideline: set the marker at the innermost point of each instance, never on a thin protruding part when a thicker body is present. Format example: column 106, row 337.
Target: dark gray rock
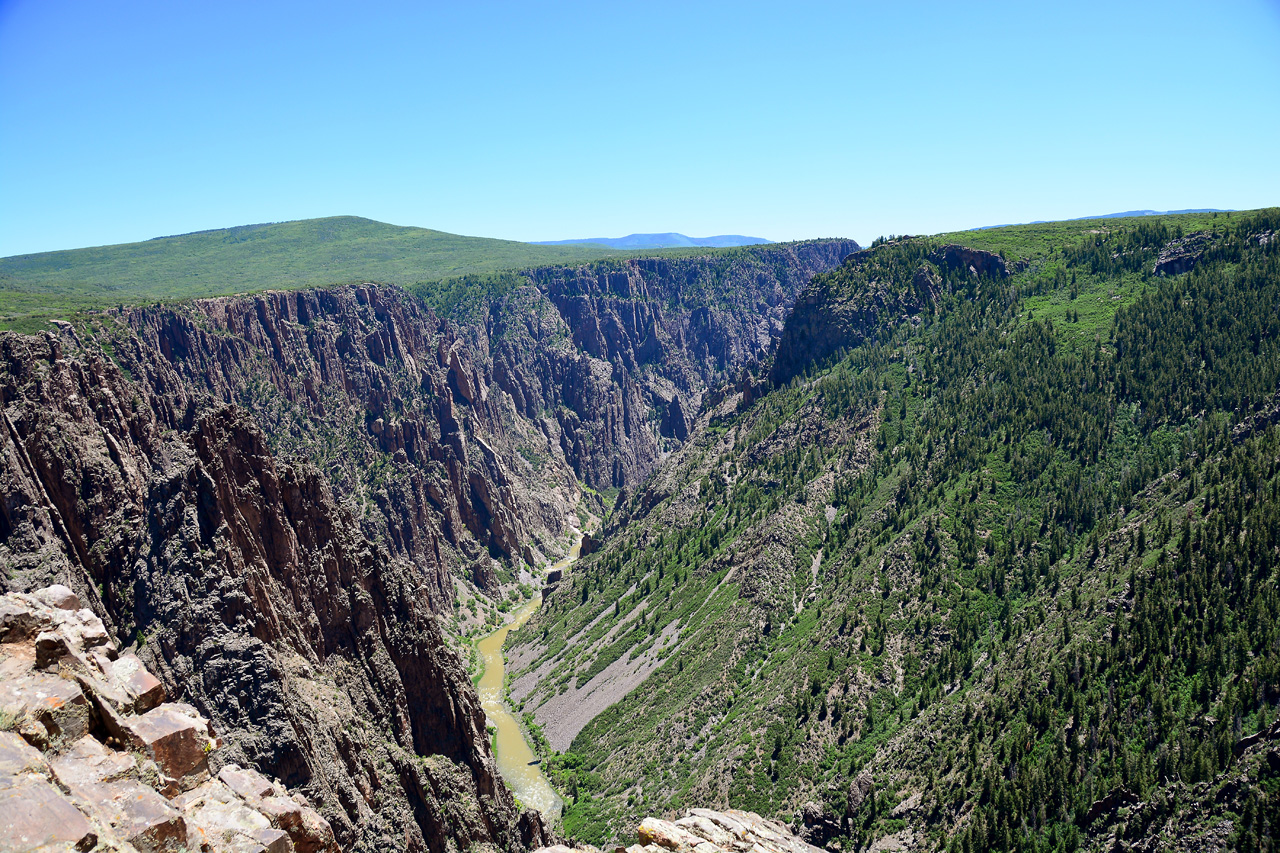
column 1180, row 255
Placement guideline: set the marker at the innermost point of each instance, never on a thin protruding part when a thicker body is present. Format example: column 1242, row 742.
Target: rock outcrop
column 615, row 357
column 974, row 261
column 854, row 304
column 708, row 831
column 388, row 401
column 847, row 308
column 93, row 757
column 1180, row 255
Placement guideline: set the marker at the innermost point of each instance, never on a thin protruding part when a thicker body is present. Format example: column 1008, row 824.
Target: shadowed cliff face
column 252, row 593
column 389, row 403
column 618, row 355
column 872, row 291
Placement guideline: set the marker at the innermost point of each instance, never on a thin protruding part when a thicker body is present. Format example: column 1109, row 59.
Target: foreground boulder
column 707, row 831
column 92, row 755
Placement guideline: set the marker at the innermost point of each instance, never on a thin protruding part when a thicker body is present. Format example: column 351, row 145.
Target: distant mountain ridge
column 668, row 240
column 1120, row 215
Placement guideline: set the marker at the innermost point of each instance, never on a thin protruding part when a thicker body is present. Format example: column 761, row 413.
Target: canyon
column 962, row 542
column 275, row 500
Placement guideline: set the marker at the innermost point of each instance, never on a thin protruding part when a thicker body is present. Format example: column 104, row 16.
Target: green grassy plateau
column 307, row 253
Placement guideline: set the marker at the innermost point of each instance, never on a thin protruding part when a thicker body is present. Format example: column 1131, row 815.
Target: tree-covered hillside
column 997, row 571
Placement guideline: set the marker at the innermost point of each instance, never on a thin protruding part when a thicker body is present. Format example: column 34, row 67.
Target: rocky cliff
column 874, row 290
column 388, row 402
column 250, row 592
column 616, row 356
column 96, row 758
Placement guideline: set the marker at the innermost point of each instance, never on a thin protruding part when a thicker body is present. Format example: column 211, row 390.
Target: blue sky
column 127, row 120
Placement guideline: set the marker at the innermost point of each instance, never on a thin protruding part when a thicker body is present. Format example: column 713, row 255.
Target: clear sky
column 125, row 120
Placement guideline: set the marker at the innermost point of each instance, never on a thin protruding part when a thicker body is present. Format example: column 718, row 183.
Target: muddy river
column 515, row 757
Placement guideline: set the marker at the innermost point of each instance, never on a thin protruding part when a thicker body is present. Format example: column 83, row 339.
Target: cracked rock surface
column 92, row 757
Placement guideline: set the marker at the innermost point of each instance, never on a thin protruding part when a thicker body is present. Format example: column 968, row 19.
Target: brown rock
column 34, row 816
column 19, row 621
column 283, row 813
column 248, row 784
column 51, row 647
column 665, row 834
column 176, row 740
column 308, row 831
column 137, row 813
column 272, row 840
column 92, row 632
column 315, row 835
column 143, row 688
column 88, row 762
column 56, row 705
column 218, row 820
column 18, row 758
column 58, row 597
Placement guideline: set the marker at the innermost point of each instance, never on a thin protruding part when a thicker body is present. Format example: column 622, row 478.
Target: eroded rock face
column 974, row 261
column 847, row 309
column 827, row 319
column 1181, row 255
column 609, row 352
column 61, row 789
column 388, row 402
column 250, row 593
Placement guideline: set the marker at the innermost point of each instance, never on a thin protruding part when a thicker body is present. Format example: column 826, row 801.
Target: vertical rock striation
column 616, row 356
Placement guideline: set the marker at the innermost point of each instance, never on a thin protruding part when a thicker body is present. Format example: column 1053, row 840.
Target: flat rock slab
column 56, row 703
column 34, row 815
column 273, row 840
column 248, row 783
column 307, row 830
column 137, row 813
column 88, row 762
column 18, row 758
column 228, row 825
